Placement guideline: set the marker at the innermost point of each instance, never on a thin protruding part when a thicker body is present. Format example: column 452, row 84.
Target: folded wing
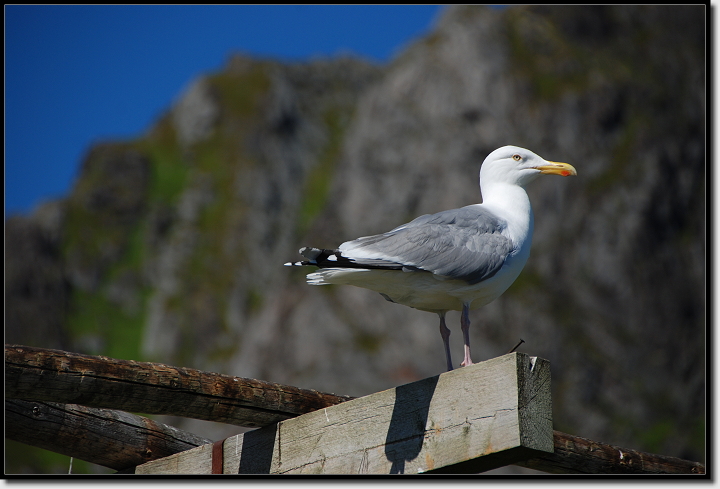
column 465, row 244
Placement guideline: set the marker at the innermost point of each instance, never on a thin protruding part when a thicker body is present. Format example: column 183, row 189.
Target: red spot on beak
column 565, row 173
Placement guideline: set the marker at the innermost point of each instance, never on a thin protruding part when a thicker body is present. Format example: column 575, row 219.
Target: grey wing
column 464, row 244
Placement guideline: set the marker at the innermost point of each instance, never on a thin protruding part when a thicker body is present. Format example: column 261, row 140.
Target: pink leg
column 465, row 326
column 445, row 333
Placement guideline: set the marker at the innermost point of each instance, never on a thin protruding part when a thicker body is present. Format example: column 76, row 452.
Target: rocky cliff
column 170, row 247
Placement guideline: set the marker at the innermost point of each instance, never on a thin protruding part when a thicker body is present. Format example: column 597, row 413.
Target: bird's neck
column 511, row 202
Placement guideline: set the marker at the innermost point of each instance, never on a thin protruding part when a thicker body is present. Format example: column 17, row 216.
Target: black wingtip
column 323, row 258
column 315, row 257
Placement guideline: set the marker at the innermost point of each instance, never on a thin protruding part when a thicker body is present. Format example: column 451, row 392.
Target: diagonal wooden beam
column 114, row 439
column 577, row 455
column 39, row 374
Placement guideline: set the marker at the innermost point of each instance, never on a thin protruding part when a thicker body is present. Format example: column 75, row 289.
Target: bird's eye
column 517, row 157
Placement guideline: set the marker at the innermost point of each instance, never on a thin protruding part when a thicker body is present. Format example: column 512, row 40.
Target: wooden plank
column 469, row 420
column 576, row 455
column 114, row 439
column 38, row 374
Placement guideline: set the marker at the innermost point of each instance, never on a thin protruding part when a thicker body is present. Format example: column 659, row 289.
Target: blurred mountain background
column 170, row 247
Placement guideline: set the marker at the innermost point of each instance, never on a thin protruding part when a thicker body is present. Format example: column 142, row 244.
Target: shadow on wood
column 256, row 454
column 406, row 432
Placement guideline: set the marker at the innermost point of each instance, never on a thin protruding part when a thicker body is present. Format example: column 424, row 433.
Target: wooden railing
column 469, row 420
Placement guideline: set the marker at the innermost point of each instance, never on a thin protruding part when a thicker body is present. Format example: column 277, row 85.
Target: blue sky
column 75, row 75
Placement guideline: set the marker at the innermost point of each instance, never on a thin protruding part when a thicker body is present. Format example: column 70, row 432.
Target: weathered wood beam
column 576, row 455
column 114, row 439
column 469, row 420
column 38, row 374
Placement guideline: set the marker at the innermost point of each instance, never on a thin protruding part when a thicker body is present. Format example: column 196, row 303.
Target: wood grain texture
column 114, row 439
column 38, row 374
column 576, row 455
column 471, row 419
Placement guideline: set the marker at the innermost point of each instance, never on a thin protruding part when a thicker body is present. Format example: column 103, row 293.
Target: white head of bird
column 518, row 166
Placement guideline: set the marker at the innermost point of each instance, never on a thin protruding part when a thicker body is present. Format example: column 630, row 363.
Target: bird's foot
column 467, row 360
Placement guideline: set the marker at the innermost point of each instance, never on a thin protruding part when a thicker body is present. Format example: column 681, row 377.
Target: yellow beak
column 555, row 168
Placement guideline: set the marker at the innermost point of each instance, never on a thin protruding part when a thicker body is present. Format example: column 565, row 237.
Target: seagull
column 454, row 260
